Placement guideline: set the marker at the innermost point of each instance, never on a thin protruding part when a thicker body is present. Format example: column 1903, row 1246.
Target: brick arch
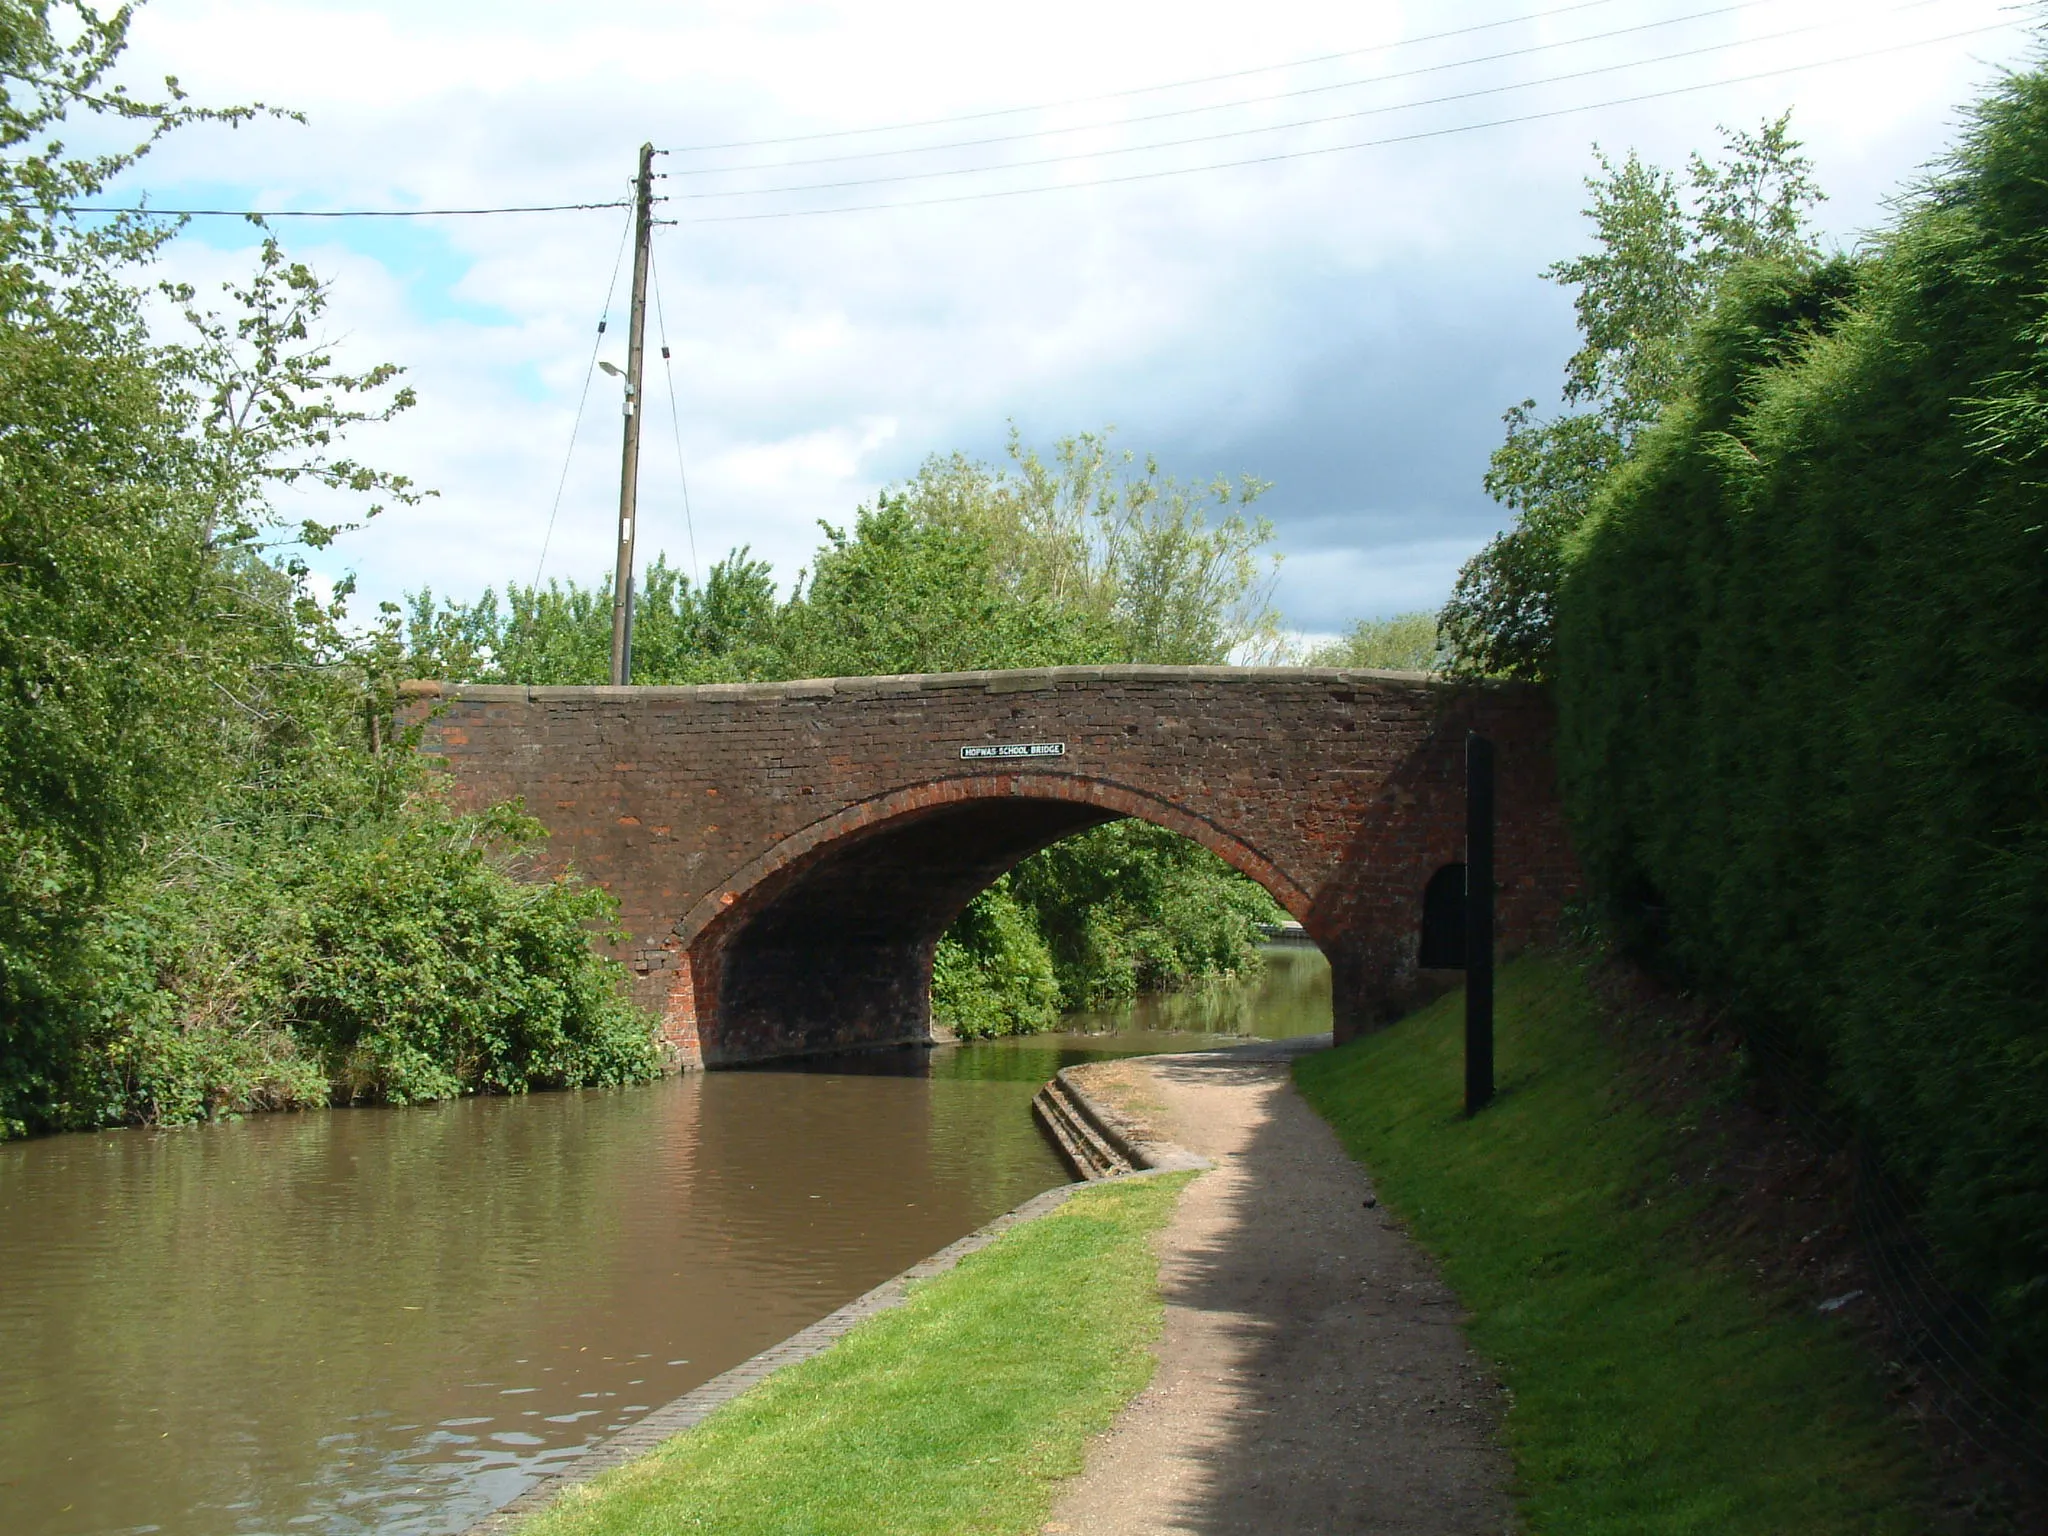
column 803, row 814
column 827, row 939
column 1122, row 800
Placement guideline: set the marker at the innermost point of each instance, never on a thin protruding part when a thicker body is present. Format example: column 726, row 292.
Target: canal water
column 393, row 1320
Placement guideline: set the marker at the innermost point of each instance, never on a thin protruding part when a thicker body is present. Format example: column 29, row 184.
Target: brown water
column 393, row 1320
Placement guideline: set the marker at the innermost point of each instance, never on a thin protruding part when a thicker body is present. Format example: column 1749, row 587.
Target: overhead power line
column 675, row 419
column 342, row 213
column 1078, row 156
column 1241, row 101
column 1145, row 90
column 1334, row 149
column 604, row 316
column 1139, row 176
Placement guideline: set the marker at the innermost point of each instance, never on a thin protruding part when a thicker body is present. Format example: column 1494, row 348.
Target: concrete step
column 1082, row 1144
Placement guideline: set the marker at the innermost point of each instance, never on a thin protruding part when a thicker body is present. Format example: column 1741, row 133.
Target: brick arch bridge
column 787, row 855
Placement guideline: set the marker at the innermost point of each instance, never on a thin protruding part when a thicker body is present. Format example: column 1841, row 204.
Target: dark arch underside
column 837, row 952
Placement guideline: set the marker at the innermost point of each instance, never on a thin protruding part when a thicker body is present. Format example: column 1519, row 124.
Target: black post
column 1478, row 923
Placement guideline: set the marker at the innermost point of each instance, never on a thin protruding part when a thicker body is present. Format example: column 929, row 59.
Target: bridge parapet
column 786, row 855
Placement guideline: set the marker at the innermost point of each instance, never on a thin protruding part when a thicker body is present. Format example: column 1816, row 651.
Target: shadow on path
column 1312, row 1375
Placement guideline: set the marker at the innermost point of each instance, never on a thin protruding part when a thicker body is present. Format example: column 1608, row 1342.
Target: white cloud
column 1348, row 326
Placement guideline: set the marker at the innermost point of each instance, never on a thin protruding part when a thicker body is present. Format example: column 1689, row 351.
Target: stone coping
column 1021, row 680
column 693, row 1407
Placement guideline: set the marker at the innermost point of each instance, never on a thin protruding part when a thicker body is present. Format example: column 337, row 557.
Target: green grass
column 1654, row 1393
column 958, row 1412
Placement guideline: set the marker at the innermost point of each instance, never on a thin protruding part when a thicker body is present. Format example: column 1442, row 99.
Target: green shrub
column 1803, row 687
column 992, row 974
column 294, row 959
column 1131, row 907
column 218, row 889
column 1095, row 919
column 1407, row 642
column 429, row 970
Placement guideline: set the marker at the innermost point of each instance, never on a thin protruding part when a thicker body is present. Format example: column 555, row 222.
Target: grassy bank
column 955, row 1413
column 1654, row 1392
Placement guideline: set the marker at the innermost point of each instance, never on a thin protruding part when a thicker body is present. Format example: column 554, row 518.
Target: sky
column 900, row 228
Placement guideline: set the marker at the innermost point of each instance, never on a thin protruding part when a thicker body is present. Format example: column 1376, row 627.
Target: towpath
column 1312, row 1376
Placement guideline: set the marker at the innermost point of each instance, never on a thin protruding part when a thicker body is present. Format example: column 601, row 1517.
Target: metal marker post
column 1478, row 923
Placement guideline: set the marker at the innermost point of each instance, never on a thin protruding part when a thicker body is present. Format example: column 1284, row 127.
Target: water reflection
column 392, row 1320
column 1290, row 997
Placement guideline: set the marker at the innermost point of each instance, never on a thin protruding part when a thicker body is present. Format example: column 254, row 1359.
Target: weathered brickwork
column 787, row 855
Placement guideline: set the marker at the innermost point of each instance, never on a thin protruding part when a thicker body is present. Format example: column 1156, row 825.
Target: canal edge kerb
column 1149, row 1159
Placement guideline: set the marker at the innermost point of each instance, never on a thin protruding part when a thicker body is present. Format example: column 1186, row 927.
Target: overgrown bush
column 223, row 886
column 1803, row 684
column 1094, row 920
column 1131, row 907
column 992, row 973
column 328, row 930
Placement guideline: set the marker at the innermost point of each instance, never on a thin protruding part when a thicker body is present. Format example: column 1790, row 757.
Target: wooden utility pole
column 629, row 466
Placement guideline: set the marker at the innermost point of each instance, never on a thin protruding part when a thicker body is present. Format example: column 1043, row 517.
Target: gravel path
column 1312, row 1377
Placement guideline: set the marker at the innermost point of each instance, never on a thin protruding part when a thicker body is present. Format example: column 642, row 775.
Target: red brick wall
column 785, row 855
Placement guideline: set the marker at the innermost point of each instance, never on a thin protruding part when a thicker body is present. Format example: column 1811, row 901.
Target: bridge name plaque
column 1017, row 749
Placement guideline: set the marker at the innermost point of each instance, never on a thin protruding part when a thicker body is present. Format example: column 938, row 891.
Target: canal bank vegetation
column 1802, row 657
column 225, row 882
column 1785, row 568
column 1655, row 1388
column 959, row 1411
column 1094, row 921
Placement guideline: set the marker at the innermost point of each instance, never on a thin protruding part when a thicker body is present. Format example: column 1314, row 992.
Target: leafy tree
column 268, row 407
column 196, row 791
column 724, row 631
column 1112, row 538
column 56, row 58
column 902, row 592
column 1407, row 642
column 1663, row 248
column 102, row 668
column 993, row 973
column 1093, row 558
column 106, row 657
column 1131, row 907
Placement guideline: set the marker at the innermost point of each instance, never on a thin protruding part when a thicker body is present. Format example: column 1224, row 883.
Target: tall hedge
column 1803, row 686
